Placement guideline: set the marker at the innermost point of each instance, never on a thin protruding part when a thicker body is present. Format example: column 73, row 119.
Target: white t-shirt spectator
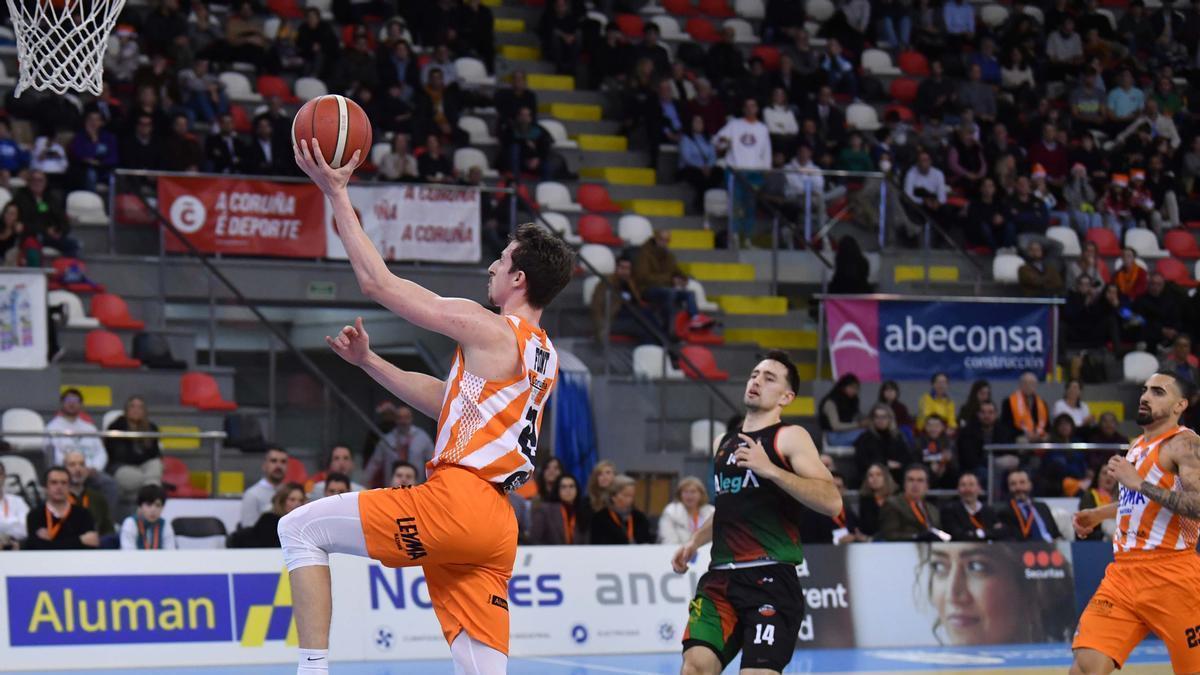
column 1078, row 414
column 129, row 535
column 256, row 501
column 48, row 156
column 13, row 511
column 93, row 450
column 933, row 182
column 676, row 527
column 801, row 175
column 781, row 121
column 749, row 144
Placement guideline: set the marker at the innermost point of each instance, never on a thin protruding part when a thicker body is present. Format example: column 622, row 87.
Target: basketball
column 338, row 124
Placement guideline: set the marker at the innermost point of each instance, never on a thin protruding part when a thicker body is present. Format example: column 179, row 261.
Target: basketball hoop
column 61, row 43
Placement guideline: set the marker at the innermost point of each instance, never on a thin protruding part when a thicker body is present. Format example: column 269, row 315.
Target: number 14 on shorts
column 764, row 634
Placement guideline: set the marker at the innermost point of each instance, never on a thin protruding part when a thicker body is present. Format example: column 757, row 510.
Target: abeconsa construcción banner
column 880, row 339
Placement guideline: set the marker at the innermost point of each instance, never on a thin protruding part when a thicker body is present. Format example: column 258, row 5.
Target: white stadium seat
column 993, row 15
column 1036, row 13
column 1067, row 237
column 1144, row 243
column 716, row 203
column 702, row 301
column 705, row 433
column 465, row 158
column 559, row 223
column 23, row 419
column 555, row 196
column 600, row 257
column 472, row 71
column 743, row 32
column 1005, row 266
column 271, row 27
column 86, row 208
column 477, row 130
column 819, row 10
column 878, row 62
column 110, row 417
column 634, row 229
column 73, row 308
column 589, row 288
column 5, row 196
column 649, row 361
column 558, row 132
column 862, row 117
column 323, row 6
column 237, row 87
column 750, row 9
column 308, row 88
column 379, row 151
column 669, row 28
column 1138, row 366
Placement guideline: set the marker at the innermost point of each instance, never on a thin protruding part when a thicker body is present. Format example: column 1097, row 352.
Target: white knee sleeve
column 472, row 657
column 313, row 531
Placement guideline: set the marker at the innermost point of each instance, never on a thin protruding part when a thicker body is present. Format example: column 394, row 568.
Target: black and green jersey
column 755, row 518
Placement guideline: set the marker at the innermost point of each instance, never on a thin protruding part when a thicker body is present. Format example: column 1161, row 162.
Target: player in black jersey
column 750, row 598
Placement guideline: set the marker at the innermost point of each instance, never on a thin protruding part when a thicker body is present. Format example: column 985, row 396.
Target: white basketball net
column 62, row 48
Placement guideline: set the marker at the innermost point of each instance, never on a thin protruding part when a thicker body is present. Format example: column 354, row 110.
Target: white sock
column 313, row 662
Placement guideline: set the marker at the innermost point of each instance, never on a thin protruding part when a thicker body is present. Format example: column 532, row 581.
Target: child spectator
column 146, row 530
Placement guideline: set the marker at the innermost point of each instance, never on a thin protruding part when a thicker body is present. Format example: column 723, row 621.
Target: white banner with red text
column 23, row 331
column 430, row 223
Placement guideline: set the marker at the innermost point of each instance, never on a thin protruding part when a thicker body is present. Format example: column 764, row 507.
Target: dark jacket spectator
column 1038, row 278
column 620, row 522
column 142, row 149
column 656, row 266
column 475, row 35
column 181, row 150
column 59, row 525
column 1022, row 518
column 41, row 210
column 265, row 531
column 525, row 146
column 910, row 515
column 967, row 518
column 881, row 443
column 224, row 150
column 266, row 156
column 93, row 152
column 565, row 519
column 974, row 434
column 509, row 101
column 877, row 487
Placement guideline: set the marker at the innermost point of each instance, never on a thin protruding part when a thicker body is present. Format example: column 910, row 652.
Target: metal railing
column 993, row 448
column 216, row 437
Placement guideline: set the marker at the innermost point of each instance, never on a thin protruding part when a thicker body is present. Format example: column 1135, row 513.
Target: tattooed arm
column 1184, row 451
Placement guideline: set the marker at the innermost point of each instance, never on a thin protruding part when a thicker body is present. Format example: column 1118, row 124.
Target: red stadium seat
column 630, row 24
column 1105, row 274
column 705, row 362
column 595, row 198
column 286, row 9
column 1175, row 272
column 106, row 349
column 596, row 229
column 241, row 119
column 114, row 313
column 913, row 63
column 178, row 480
column 296, row 473
column 1105, row 241
column 1181, row 244
column 1192, row 224
column 131, row 210
column 904, row 90
column 768, row 54
column 680, row 7
column 903, row 112
column 200, row 390
column 717, row 8
column 702, row 30
column 273, row 85
column 683, row 329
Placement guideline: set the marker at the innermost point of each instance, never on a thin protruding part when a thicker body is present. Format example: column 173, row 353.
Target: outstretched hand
column 312, row 162
column 352, row 343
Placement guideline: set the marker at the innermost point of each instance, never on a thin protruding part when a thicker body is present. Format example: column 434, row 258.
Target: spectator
column 1025, row 412
column 877, row 487
column 698, row 161
column 1181, row 361
column 1028, row 214
column 203, row 92
column 1064, row 48
column 990, row 217
column 562, row 517
column 335, row 484
column 244, row 36
column 1117, row 206
column 1125, row 103
column 15, row 241
column 725, row 65
column 818, row 528
column 1060, row 472
column 1016, row 76
column 134, row 462
column 746, row 145
column 265, row 531
column 1037, row 278
column 829, row 118
column 600, row 483
column 203, row 29
column 983, row 430
column 925, row 175
column 851, row 270
column 804, row 185
column 1105, row 492
column 1160, row 184
column 937, row 401
column 404, row 443
column 121, row 61
column 611, row 60
column 1023, row 518
column 1073, row 405
column 805, row 63
column 1108, row 431
column 959, row 18
column 70, row 419
column 50, row 158
column 619, row 522
column 968, row 518
column 893, row 24
column 839, row 414
column 889, row 394
column 1043, row 193
column 1089, row 322
column 1131, row 278
column 559, row 33
column 476, row 32
column 433, row 165
column 910, row 515
column 224, row 149
column 710, row 108
column 839, row 71
column 1087, row 101
column 59, row 525
column 146, row 529
column 93, row 153
column 981, row 391
column 80, row 495
column 976, row 95
column 663, row 283
column 404, row 475
column 881, row 443
column 183, row 151
column 257, row 498
column 399, row 164
column 854, row 156
column 682, row 89
column 1081, row 200
column 1159, row 308
column 1051, row 154
column 525, row 147
column 651, row 48
column 936, row 450
column 616, row 306
column 341, row 462
column 936, row 93
column 546, row 477
column 510, row 101
column 966, row 161
column 318, row 45
column 687, row 513
column 14, row 513
column 780, row 118
column 13, row 159
column 142, row 150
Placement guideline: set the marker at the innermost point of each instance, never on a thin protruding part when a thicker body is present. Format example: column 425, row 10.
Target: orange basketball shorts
column 1146, row 593
column 463, row 532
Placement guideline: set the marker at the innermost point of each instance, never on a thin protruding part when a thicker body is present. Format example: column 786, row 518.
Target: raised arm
column 809, row 482
column 421, row 391
column 465, row 321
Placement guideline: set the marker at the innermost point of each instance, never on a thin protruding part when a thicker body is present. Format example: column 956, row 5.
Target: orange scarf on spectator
column 1022, row 419
column 1127, row 280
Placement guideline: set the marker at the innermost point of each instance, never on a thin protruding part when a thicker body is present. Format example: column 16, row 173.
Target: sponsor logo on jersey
column 408, row 538
column 767, row 610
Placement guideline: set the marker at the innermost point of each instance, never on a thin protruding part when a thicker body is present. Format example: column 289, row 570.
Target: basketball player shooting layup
column 750, row 598
column 1153, row 585
column 458, row 525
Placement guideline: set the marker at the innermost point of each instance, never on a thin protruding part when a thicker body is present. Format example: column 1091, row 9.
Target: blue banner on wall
column 904, row 340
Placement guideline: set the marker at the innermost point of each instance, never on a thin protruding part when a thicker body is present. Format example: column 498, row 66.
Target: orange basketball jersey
column 1144, row 525
column 491, row 428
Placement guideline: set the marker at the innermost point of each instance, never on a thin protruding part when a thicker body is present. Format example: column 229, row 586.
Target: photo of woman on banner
column 985, row 593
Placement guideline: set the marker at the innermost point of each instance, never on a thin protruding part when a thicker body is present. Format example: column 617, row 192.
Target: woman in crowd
column 936, row 451
column 889, row 395
column 882, row 443
column 619, row 522
column 876, row 488
column 547, row 478
column 839, row 415
column 1072, row 404
column 1062, row 471
column 399, row 164
column 981, row 391
column 682, row 517
column 562, row 517
column 134, row 462
column 1102, row 493
column 1088, row 264
column 698, row 161
column 265, row 533
column 937, row 401
column 599, row 484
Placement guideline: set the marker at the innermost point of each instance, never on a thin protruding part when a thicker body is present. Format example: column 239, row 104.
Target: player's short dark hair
column 54, row 469
column 546, row 260
column 148, row 494
column 337, row 477
column 793, row 375
column 1187, row 388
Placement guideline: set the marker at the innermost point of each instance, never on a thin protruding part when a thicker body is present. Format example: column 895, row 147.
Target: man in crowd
column 58, row 524
column 910, row 515
column 82, row 497
column 1039, row 279
column 1023, row 518
column 925, row 175
column 1025, row 412
column 335, row 484
column 341, row 462
column 404, row 475
column 746, row 144
column 257, row 498
column 13, row 512
column 70, row 419
column 663, row 282
column 981, row 431
column 609, row 313
column 968, row 518
column 404, row 443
